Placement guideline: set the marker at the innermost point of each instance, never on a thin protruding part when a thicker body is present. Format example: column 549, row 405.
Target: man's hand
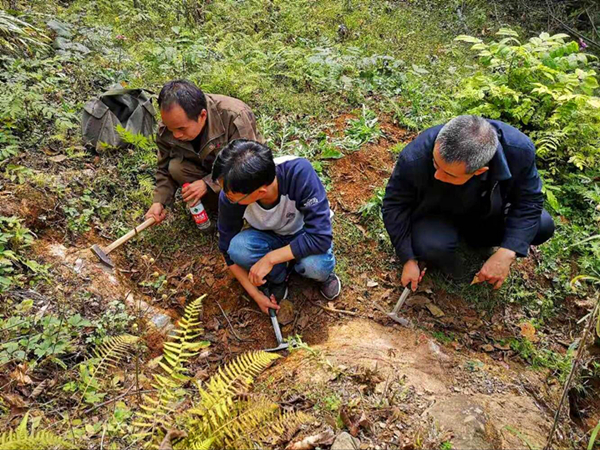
column 411, row 274
column 264, row 302
column 260, row 270
column 496, row 268
column 194, row 192
column 157, row 211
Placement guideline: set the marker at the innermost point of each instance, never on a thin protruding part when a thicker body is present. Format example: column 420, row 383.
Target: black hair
column 244, row 166
column 185, row 94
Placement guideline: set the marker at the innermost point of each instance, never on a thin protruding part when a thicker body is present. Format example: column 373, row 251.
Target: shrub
column 545, row 87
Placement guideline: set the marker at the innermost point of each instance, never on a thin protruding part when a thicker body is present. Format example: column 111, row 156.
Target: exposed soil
column 474, row 391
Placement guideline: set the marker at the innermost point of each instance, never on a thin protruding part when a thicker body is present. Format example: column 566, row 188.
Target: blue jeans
column 248, row 246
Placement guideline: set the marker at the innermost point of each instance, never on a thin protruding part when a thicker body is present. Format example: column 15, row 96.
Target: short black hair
column 185, row 94
column 244, row 166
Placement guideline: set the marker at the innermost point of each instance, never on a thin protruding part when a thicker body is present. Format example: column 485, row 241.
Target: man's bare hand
column 193, row 192
column 496, row 268
column 264, row 302
column 260, row 270
column 411, row 274
column 157, row 211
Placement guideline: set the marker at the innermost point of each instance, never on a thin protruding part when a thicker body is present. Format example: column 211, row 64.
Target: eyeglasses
column 237, row 201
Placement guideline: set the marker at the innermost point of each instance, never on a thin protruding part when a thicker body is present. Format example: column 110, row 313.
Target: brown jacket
column 228, row 119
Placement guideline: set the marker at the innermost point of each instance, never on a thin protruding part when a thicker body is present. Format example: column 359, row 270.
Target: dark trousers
column 435, row 238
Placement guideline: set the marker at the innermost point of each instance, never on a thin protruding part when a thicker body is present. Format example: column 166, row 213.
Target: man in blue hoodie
column 472, row 178
column 285, row 204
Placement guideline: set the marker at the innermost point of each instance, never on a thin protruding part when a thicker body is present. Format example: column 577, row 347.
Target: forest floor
column 345, row 84
column 452, row 376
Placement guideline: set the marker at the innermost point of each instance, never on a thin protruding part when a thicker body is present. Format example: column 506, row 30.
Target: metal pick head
column 282, row 346
column 103, row 257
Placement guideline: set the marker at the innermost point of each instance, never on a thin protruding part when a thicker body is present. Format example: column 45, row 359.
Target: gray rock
column 60, row 28
column 344, row 441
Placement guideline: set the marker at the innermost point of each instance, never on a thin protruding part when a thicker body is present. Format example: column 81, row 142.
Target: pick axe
column 394, row 314
column 280, row 344
column 102, row 254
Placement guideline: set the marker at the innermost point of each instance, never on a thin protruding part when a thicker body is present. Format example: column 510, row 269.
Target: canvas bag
column 130, row 108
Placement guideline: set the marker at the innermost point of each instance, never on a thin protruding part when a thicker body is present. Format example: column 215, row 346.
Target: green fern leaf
column 21, row 439
column 158, row 410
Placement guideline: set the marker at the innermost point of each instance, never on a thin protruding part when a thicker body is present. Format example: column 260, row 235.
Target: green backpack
column 130, row 108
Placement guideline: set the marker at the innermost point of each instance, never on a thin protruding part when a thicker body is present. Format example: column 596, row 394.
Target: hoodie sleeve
column 306, row 189
column 398, row 203
column 230, row 223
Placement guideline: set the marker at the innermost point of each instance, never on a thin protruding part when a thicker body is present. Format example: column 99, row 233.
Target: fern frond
column 158, row 411
column 178, row 352
column 21, row 439
column 283, row 428
column 229, row 380
column 109, row 354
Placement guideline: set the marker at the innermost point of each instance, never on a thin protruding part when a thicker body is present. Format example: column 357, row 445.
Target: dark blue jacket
column 511, row 187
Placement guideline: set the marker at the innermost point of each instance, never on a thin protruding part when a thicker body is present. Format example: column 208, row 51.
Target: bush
column 545, row 87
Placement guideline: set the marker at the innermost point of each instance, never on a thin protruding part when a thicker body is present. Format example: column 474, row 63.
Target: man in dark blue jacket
column 473, row 178
column 286, row 206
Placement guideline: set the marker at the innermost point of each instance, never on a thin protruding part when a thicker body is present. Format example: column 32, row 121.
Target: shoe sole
column 337, row 293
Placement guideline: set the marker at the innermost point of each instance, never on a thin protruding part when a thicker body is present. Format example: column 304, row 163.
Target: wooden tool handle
column 129, row 235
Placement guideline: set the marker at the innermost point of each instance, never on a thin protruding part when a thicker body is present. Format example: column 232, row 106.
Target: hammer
column 102, row 254
column 394, row 314
column 280, row 344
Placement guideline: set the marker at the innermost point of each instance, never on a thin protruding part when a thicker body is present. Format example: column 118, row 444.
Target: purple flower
column 582, row 44
column 120, row 37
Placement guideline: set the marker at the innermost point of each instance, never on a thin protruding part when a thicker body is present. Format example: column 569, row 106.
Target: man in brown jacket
column 194, row 128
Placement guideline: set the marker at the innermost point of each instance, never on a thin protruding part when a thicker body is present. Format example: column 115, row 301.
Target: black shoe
column 331, row 287
column 279, row 290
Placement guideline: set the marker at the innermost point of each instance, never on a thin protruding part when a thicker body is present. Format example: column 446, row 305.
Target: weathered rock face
column 345, row 442
column 473, row 404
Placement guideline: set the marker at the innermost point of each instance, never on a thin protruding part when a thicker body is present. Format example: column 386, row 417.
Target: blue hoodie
column 303, row 209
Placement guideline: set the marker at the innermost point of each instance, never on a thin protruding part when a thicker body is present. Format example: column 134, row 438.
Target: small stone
column 344, row 441
column 372, row 284
column 285, row 314
column 382, row 425
column 434, row 310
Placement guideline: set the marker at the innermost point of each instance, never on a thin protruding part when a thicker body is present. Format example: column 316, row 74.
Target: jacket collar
column 499, row 170
column 215, row 129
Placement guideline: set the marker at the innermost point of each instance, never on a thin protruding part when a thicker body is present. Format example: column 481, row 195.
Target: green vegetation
column 322, row 77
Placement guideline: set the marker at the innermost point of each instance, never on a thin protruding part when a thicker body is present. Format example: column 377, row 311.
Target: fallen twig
column 333, row 310
column 576, row 361
column 231, row 326
column 119, row 397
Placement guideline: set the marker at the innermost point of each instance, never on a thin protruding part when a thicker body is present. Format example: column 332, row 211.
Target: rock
column 285, row 314
column 434, row 310
column 345, row 442
column 417, row 300
column 60, row 28
column 465, row 419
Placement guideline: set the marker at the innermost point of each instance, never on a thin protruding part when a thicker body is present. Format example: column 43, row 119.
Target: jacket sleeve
column 311, row 200
column 398, row 203
column 527, row 202
column 166, row 186
column 244, row 127
column 230, row 223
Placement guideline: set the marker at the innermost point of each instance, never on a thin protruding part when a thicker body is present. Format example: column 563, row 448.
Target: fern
column 158, row 410
column 221, row 419
column 109, row 354
column 21, row 439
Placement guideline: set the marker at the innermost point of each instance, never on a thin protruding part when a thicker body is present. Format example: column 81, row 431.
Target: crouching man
column 286, row 206
column 472, row 178
column 195, row 127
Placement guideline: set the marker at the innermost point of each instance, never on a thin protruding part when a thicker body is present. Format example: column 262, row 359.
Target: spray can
column 199, row 214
